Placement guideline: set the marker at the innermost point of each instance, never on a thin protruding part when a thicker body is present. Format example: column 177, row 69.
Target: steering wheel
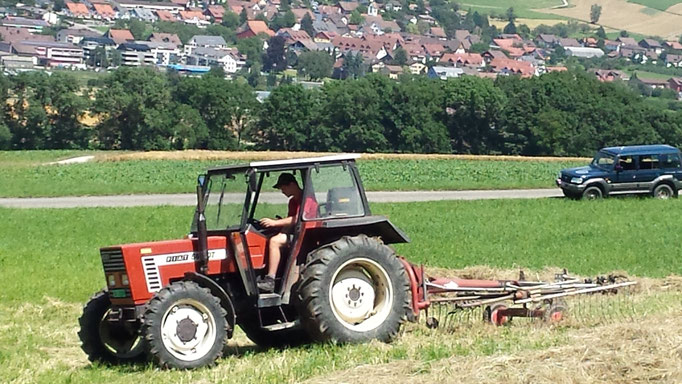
column 256, row 224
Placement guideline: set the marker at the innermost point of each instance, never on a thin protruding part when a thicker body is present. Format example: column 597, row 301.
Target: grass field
column 525, row 9
column 49, row 266
column 630, row 16
column 661, row 5
column 23, row 175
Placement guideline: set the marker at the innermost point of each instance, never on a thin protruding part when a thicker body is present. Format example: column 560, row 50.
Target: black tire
column 663, row 191
column 185, row 326
column 107, row 342
column 593, row 193
column 571, row 195
column 265, row 338
column 364, row 268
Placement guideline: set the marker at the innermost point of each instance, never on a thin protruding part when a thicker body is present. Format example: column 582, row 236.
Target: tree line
column 564, row 114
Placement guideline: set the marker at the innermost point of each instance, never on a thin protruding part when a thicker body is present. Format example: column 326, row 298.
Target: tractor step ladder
column 266, row 300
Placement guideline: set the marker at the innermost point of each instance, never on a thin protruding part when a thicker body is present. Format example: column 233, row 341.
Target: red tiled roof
column 355, row 44
column 189, row 15
column 257, row 26
column 438, row 32
column 104, row 10
column 301, row 12
column 293, row 34
column 434, row 49
column 523, row 68
column 78, row 9
column 120, row 36
column 166, row 16
column 159, row 37
column 216, row 11
column 463, row 58
column 556, row 69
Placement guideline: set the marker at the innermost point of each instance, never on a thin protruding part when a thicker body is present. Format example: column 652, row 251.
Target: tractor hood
column 147, row 267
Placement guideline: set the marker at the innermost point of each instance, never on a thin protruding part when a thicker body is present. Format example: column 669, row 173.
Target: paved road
column 270, row 197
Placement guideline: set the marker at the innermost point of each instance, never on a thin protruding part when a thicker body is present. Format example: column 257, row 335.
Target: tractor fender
column 219, row 292
column 371, row 226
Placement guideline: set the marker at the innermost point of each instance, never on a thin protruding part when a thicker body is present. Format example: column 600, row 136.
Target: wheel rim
column 592, row 194
column 120, row 341
column 361, row 295
column 188, row 330
column 663, row 193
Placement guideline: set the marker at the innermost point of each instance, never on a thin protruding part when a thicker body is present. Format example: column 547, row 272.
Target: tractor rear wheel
column 185, row 326
column 353, row 290
column 106, row 341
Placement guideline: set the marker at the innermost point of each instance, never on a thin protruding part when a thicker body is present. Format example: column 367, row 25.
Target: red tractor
column 178, row 301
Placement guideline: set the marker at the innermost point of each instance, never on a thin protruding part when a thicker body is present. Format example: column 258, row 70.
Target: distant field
column 630, row 16
column 661, row 5
column 525, row 9
column 23, row 175
column 49, row 266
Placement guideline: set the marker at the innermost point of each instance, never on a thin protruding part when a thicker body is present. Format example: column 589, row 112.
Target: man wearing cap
column 289, row 186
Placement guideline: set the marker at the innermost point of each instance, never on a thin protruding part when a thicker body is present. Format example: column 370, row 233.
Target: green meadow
column 26, row 174
column 49, row 266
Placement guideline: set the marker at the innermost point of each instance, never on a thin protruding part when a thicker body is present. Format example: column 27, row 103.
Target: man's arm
column 271, row 223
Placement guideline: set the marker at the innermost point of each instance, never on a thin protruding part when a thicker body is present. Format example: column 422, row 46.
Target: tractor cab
column 333, row 203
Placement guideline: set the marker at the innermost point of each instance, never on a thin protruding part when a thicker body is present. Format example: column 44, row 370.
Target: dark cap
column 284, row 179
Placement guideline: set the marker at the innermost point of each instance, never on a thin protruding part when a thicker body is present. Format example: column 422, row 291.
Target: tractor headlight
column 111, row 280
column 577, row 180
column 124, row 279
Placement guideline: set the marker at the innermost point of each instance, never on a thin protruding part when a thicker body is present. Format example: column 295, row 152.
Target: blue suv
column 651, row 169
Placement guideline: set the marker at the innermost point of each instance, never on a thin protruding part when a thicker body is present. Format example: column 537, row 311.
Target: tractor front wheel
column 108, row 341
column 185, row 326
column 353, row 290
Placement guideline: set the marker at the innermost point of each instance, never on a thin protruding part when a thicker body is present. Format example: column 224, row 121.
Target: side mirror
column 618, row 167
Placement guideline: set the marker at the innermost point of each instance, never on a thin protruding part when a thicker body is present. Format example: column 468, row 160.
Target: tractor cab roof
column 280, row 165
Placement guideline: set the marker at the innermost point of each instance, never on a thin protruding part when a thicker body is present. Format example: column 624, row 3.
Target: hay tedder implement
column 502, row 300
column 176, row 302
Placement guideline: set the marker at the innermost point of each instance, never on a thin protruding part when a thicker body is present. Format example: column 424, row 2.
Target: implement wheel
column 492, row 314
column 185, row 326
column 353, row 290
column 106, row 341
column 555, row 312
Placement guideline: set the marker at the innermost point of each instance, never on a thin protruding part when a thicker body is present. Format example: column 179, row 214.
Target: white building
column 584, row 52
column 227, row 59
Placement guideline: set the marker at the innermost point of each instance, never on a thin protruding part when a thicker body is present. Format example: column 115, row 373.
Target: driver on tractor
column 288, row 185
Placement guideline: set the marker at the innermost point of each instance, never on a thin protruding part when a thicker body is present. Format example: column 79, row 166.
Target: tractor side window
column 336, row 194
column 225, row 204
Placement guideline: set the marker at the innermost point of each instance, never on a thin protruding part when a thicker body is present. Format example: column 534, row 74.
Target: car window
column 670, row 160
column 648, row 162
column 627, row 162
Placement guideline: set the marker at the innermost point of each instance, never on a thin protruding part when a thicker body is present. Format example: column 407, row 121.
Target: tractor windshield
column 224, row 201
